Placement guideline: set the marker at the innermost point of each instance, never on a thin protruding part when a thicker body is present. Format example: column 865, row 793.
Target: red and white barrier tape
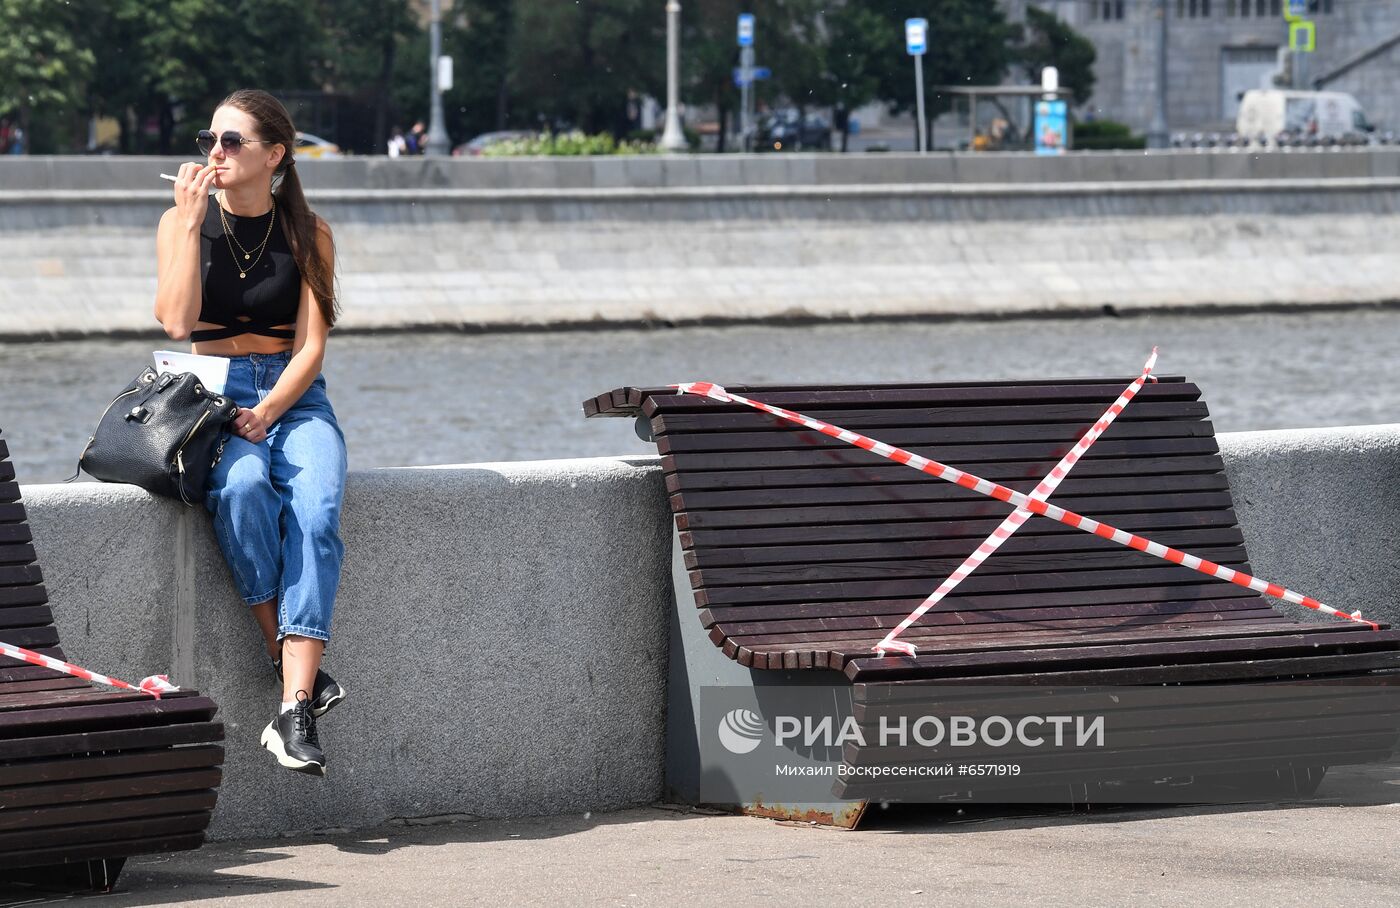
column 1002, row 493
column 1018, row 517
column 155, row 685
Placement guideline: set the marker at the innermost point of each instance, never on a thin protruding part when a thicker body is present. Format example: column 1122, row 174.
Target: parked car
column 477, row 146
column 787, row 130
column 309, row 146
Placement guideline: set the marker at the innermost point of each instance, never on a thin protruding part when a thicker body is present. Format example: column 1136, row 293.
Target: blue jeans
column 276, row 504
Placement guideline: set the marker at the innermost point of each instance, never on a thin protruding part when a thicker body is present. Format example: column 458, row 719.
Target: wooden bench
column 88, row 776
column 803, row 551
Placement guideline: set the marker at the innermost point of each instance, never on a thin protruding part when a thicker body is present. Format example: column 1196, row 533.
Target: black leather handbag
column 163, row 432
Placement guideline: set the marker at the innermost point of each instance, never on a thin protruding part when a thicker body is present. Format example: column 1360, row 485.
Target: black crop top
column 268, row 296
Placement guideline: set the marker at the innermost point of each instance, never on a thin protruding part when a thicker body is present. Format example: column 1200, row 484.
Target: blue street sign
column 1297, row 8
column 755, row 74
column 916, row 36
column 746, row 29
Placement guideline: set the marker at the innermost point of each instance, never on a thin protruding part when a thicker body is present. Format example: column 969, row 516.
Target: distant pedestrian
column 398, row 145
column 4, row 135
column 418, row 138
column 17, row 138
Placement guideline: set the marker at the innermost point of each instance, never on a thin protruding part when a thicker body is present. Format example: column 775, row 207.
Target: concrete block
column 496, row 617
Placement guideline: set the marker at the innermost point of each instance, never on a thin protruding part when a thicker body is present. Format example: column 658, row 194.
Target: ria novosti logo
column 740, row 731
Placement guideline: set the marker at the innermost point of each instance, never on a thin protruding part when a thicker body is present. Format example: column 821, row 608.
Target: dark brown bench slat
column 14, row 687
column 873, row 421
column 16, row 553
column 25, row 616
column 1079, row 658
column 31, row 637
column 971, row 621
column 627, row 399
column 15, row 532
column 10, row 701
column 922, row 568
column 11, row 512
column 931, row 635
column 20, row 574
column 1018, row 638
column 68, row 769
column 119, row 830
column 170, row 708
column 138, row 738
column 1213, row 595
column 1145, row 522
column 819, row 403
column 925, row 435
column 822, row 553
column 1149, row 575
column 883, row 472
column 972, row 508
column 853, row 496
column 17, row 669
column 95, row 812
column 23, row 595
column 117, row 787
column 960, row 456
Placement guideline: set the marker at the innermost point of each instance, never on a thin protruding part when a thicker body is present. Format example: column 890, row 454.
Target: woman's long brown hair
column 275, row 125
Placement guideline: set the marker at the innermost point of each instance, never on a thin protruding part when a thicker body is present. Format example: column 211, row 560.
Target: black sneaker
column 325, row 693
column 293, row 741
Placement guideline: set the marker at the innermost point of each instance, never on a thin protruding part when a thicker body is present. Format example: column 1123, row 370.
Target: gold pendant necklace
column 233, row 240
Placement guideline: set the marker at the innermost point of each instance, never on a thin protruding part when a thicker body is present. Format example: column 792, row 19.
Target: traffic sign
column 755, row 74
column 916, row 36
column 746, row 29
column 1297, row 8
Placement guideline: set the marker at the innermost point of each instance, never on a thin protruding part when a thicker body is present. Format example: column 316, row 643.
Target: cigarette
column 166, row 176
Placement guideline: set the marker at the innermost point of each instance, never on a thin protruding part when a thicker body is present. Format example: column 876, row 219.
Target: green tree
column 1051, row 42
column 575, row 62
column 970, row 43
column 43, row 69
column 855, row 36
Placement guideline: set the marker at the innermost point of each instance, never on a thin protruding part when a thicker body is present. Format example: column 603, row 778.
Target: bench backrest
column 803, row 546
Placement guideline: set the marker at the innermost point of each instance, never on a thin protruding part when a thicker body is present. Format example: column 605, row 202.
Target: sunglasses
column 232, row 142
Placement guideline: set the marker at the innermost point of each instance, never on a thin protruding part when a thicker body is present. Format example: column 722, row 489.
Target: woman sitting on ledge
column 248, row 273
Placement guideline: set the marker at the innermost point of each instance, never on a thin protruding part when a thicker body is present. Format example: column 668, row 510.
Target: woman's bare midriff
column 241, row 344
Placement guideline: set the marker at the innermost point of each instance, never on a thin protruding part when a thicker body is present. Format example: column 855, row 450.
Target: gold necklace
column 233, row 240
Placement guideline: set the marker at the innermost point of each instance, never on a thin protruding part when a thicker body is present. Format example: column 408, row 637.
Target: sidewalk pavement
column 1337, row 849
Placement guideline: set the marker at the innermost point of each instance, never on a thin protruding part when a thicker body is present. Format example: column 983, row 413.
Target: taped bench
column 89, row 776
column 802, row 551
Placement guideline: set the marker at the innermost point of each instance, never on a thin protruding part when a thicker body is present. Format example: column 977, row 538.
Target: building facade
column 1217, row 49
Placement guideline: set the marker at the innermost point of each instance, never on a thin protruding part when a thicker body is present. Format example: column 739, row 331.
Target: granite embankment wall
column 482, row 245
column 502, row 628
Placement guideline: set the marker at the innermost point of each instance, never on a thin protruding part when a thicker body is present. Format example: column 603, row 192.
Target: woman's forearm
column 300, row 372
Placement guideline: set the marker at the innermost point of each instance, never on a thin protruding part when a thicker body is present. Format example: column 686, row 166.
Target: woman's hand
column 192, row 192
column 250, row 424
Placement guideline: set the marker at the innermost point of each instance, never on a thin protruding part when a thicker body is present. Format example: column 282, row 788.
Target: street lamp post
column 673, row 137
column 1157, row 132
column 437, row 134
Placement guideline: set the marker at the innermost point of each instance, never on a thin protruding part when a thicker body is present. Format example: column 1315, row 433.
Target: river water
column 408, row 399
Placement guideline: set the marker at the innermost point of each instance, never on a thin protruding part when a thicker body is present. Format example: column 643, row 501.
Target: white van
column 1320, row 114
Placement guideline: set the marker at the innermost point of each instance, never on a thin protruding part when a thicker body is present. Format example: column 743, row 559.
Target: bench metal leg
column 98, row 875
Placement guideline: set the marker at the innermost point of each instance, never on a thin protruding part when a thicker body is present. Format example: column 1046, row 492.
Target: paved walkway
column 1319, row 853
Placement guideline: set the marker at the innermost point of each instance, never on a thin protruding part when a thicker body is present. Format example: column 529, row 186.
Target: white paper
column 211, row 370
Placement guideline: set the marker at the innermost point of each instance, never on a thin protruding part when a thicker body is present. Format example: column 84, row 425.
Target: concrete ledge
column 498, row 626
column 138, row 172
column 502, row 628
